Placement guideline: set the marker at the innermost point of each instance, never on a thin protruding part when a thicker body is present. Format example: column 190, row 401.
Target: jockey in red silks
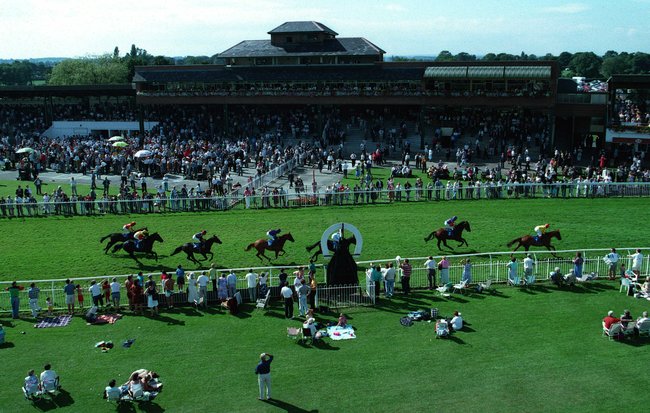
column 128, row 230
column 449, row 224
column 139, row 237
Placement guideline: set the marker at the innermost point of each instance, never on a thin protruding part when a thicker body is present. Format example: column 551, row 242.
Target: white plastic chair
column 625, row 285
column 460, row 287
column 443, row 290
column 263, row 302
column 613, row 331
column 644, row 329
column 486, row 286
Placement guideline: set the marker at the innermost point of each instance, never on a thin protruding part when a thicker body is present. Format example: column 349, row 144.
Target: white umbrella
column 25, row 150
column 142, row 153
column 116, row 138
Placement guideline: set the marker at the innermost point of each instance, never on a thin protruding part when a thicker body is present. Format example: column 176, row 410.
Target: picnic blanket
column 107, row 319
column 341, row 333
column 58, row 321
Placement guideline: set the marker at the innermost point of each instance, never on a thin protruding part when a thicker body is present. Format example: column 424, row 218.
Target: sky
column 78, row 28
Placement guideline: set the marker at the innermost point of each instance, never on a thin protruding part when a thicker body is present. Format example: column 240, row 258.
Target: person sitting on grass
column 556, row 277
column 343, row 321
column 456, row 322
column 112, row 392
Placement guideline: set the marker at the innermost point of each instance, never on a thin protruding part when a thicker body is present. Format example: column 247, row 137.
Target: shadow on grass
column 150, row 407
column 47, row 403
column 165, row 319
column 288, row 407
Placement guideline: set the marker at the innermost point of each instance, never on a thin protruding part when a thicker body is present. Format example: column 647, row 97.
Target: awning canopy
column 488, row 72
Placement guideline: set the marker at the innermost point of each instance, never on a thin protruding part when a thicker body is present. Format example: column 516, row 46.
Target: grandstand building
column 305, row 64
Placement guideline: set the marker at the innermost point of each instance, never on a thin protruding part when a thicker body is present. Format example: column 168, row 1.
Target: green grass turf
column 58, row 247
column 520, row 347
column 536, row 350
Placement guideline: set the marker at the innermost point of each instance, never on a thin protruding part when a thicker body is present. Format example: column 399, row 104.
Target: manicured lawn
column 537, row 350
column 519, row 346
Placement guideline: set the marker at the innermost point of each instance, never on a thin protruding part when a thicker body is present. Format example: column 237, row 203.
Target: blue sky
column 72, row 28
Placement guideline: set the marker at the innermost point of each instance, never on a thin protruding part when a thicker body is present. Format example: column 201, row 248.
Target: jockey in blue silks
column 449, row 225
column 197, row 238
column 272, row 234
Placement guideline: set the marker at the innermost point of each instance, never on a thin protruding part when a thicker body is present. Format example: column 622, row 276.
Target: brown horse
column 118, row 237
column 528, row 241
column 457, row 235
column 277, row 246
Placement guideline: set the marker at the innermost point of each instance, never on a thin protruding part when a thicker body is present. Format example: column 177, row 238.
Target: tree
column 89, row 71
column 445, row 56
column 616, row 64
column 206, row 60
column 563, row 60
column 489, row 57
column 465, row 57
column 116, row 53
column 586, row 64
column 641, row 63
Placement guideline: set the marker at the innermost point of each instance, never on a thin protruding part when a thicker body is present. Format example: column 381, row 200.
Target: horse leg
column 462, row 242
column 439, row 241
column 108, row 247
column 551, row 249
column 444, row 241
column 519, row 245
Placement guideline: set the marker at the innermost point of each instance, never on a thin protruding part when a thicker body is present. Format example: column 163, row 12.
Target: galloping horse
column 146, row 246
column 277, row 246
column 190, row 249
column 457, row 235
column 330, row 246
column 118, row 237
column 528, row 241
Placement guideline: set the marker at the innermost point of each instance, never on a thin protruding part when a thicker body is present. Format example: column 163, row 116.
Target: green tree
column 206, row 60
column 616, row 64
column 445, row 56
column 641, row 63
column 465, row 57
column 563, row 60
column 489, row 57
column 89, row 71
column 586, row 64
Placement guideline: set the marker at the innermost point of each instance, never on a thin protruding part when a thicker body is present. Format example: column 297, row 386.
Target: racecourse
column 537, row 350
column 58, row 247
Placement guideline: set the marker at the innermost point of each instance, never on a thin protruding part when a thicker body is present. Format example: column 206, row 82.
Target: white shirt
column 528, row 263
column 95, row 290
column 286, row 292
column 296, row 282
column 48, row 375
column 202, row 281
column 457, row 322
column 251, row 279
column 637, row 259
column 115, row 287
column 612, row 257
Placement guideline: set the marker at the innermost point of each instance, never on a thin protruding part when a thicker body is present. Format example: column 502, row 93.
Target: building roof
column 345, row 46
column 488, row 72
column 303, row 27
column 313, row 73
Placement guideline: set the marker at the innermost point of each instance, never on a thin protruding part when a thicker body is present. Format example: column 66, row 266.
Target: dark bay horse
column 528, row 241
column 146, row 246
column 330, row 246
column 457, row 235
column 190, row 249
column 278, row 246
column 116, row 237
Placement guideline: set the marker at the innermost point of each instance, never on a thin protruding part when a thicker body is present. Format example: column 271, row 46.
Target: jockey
column 128, row 229
column 197, row 238
column 272, row 234
column 336, row 238
column 139, row 237
column 450, row 223
column 541, row 230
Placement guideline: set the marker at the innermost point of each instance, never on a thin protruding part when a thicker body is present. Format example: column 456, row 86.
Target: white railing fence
column 485, row 266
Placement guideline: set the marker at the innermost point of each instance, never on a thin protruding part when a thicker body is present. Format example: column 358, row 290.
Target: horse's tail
column 177, row 250
column 103, row 238
column 117, row 247
column 511, row 243
column 311, row 247
column 251, row 245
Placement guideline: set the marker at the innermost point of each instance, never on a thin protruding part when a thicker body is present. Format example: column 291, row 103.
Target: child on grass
column 80, row 296
column 50, row 306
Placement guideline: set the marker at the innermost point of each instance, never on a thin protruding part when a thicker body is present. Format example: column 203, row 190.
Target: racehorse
column 277, row 246
column 528, row 241
column 190, row 249
column 330, row 246
column 146, row 246
column 118, row 237
column 457, row 235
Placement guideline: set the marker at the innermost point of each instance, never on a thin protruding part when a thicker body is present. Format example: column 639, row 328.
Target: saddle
column 450, row 232
column 196, row 247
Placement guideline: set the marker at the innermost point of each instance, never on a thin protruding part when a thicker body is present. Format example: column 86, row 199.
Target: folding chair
column 31, row 392
column 443, row 290
column 460, row 287
column 486, row 286
column 613, row 331
column 50, row 387
column 263, row 303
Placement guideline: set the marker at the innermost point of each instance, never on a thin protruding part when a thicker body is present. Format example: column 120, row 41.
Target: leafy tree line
column 23, row 72
column 587, row 64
